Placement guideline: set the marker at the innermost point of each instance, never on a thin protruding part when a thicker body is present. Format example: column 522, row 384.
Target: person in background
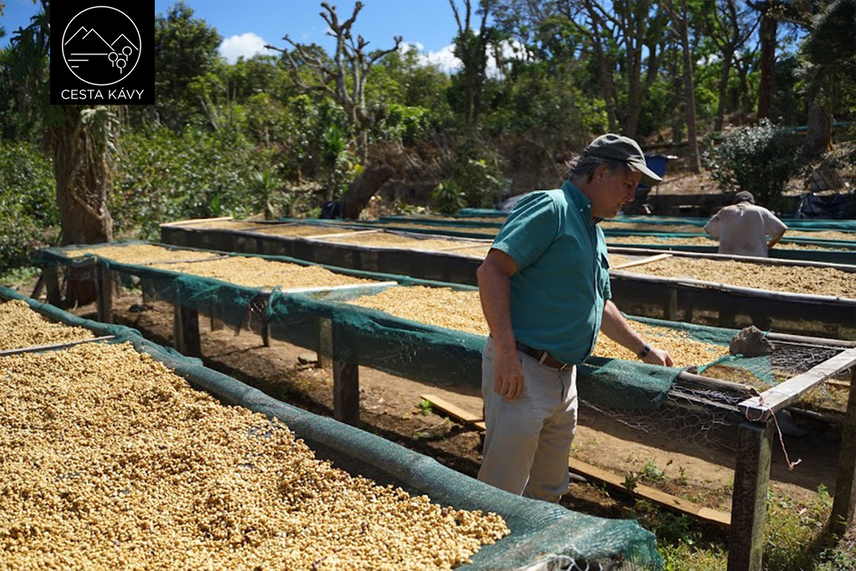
column 545, row 292
column 742, row 228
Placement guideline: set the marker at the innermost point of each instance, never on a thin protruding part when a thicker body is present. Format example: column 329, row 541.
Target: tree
column 830, row 69
column 680, row 19
column 767, row 37
column 729, row 27
column 471, row 49
column 82, row 143
column 185, row 48
column 344, row 79
column 80, row 139
column 625, row 38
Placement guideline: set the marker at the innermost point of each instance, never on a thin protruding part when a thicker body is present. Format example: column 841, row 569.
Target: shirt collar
column 580, row 201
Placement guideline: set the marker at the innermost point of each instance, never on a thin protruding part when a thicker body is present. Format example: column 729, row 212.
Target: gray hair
column 584, row 167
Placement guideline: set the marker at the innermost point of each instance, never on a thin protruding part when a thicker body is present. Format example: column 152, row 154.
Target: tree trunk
column 727, row 56
column 634, row 107
column 766, row 87
column 83, row 179
column 693, row 159
column 361, row 190
column 818, row 136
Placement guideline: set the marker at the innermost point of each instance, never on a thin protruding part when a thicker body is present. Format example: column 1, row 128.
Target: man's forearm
column 775, row 240
column 495, row 296
column 617, row 328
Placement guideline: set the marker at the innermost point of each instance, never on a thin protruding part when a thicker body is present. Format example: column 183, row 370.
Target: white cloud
column 246, row 46
column 445, row 59
column 442, row 58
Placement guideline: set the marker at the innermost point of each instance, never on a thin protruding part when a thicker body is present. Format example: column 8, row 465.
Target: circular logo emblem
column 101, row 45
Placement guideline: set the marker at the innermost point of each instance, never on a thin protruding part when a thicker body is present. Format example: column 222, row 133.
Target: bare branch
column 457, row 16
column 377, row 54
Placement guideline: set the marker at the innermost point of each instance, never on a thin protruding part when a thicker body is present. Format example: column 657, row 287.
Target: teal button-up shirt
column 562, row 282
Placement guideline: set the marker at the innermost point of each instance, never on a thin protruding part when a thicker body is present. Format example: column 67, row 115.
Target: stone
column 751, row 342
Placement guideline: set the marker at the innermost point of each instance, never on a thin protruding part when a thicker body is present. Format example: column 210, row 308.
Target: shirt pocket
column 603, row 276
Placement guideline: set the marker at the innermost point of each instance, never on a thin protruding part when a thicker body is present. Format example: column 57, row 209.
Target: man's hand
column 659, row 357
column 507, row 374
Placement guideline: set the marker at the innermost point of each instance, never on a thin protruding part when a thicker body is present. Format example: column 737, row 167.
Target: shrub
column 758, row 159
column 478, row 173
column 448, row 198
column 168, row 177
column 28, row 210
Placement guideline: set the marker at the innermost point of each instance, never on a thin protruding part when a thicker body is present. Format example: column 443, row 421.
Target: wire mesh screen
column 254, row 320
column 709, row 415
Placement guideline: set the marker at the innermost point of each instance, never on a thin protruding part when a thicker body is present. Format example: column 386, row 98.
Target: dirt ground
column 389, row 408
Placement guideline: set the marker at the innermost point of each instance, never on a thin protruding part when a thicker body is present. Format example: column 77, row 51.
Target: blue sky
column 246, row 25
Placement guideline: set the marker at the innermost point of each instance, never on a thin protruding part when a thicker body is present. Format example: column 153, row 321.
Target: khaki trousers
column 528, row 440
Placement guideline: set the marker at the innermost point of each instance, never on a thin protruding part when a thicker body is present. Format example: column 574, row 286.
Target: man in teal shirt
column 545, row 293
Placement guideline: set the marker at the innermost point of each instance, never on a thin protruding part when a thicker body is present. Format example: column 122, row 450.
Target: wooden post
column 346, row 373
column 265, row 332
column 346, row 392
column 670, row 308
column 749, row 498
column 104, row 293
column 145, row 290
column 325, row 343
column 214, row 314
column 689, row 307
column 844, row 503
column 727, row 316
column 185, row 331
column 51, row 275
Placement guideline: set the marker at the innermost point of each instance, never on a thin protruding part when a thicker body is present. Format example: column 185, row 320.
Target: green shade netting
column 539, row 530
column 399, row 346
column 402, row 347
column 443, row 356
column 479, row 212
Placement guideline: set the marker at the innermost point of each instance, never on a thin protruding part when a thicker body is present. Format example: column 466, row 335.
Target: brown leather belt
column 539, row 355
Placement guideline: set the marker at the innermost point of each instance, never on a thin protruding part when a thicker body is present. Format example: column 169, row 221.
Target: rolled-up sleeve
column 712, row 226
column 529, row 229
column 773, row 226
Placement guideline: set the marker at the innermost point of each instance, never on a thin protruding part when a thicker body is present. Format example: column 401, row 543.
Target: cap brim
column 648, row 176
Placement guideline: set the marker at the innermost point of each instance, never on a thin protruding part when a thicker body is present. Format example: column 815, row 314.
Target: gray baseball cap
column 744, row 196
column 620, row 148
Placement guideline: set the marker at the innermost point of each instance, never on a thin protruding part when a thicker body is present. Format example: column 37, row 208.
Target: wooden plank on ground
column 600, row 475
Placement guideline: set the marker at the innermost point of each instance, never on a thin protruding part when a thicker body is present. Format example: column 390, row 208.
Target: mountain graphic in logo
column 101, row 45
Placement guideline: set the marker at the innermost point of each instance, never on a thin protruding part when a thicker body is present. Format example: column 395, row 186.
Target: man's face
column 613, row 190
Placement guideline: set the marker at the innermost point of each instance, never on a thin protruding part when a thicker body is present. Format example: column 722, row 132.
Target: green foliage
column 166, row 177
column 759, row 159
column 793, row 531
column 266, row 190
column 448, row 198
column 425, row 407
column 830, row 63
column 17, row 276
column 651, row 473
column 403, row 123
column 28, row 210
column 478, row 173
column 185, row 48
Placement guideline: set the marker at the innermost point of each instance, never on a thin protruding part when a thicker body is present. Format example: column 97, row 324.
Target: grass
column 796, row 538
column 15, row 277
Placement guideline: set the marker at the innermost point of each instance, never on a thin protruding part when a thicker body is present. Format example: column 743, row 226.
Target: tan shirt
column 742, row 229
